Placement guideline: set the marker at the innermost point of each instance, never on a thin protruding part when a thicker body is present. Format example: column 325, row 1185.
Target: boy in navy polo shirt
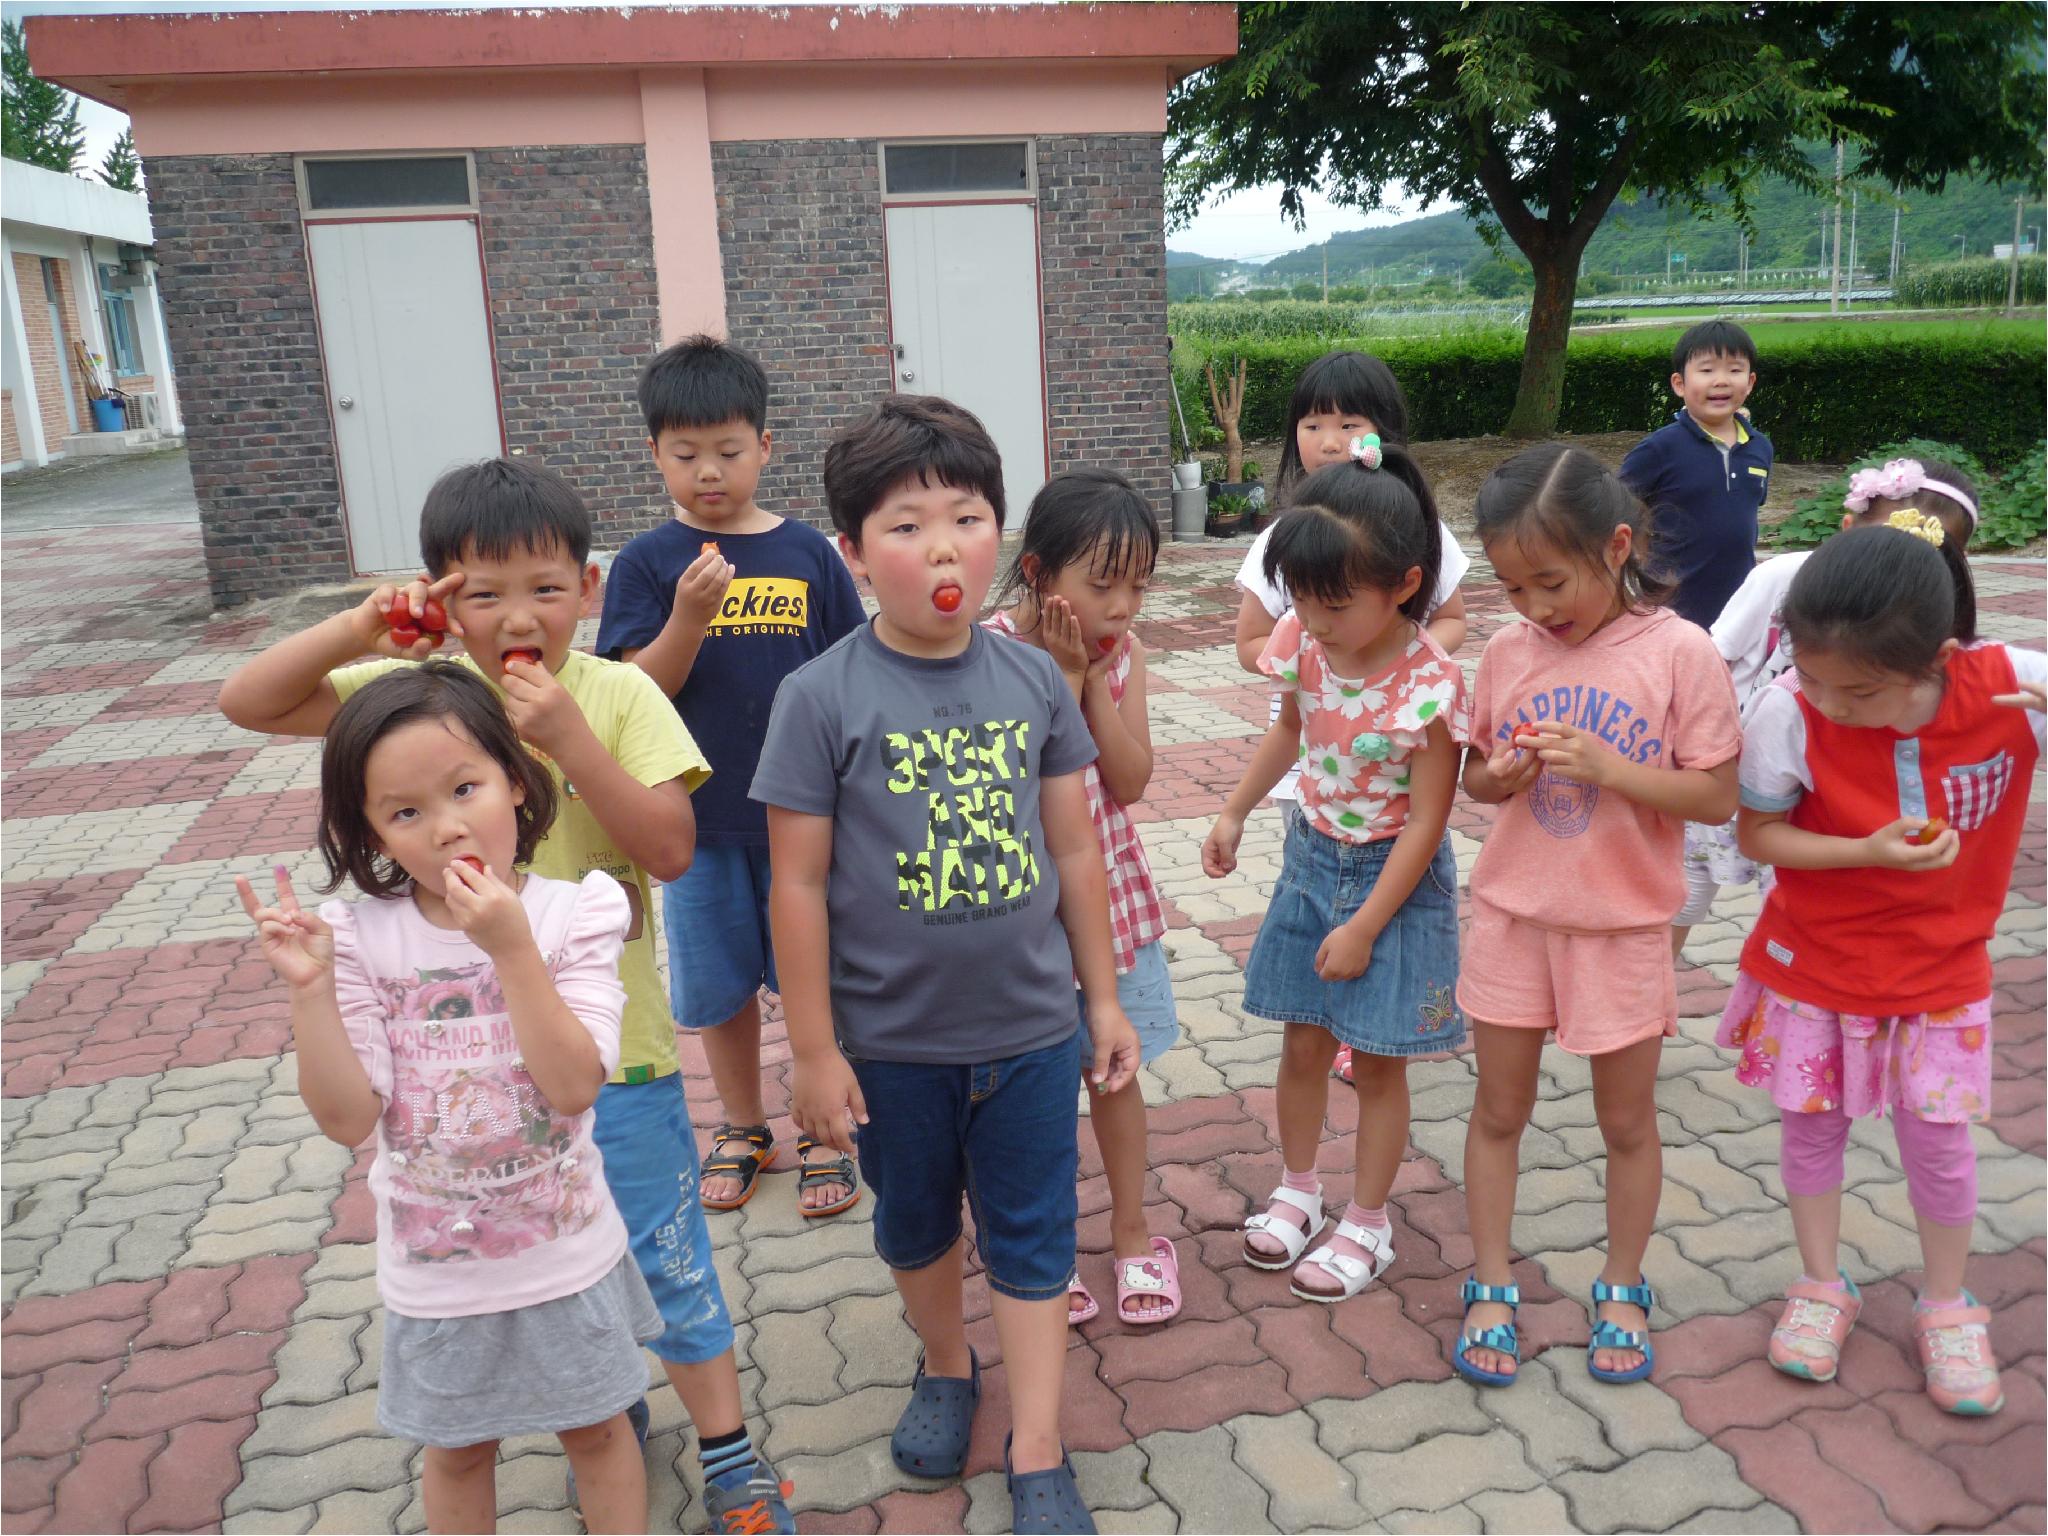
column 1705, row 475
column 718, row 606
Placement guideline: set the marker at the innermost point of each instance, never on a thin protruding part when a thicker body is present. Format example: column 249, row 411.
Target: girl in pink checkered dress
column 1076, row 584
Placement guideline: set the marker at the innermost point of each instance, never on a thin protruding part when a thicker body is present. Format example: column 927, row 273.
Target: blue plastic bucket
column 107, row 416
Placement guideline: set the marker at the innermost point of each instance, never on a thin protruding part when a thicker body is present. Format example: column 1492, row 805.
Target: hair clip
column 1899, row 479
column 1366, row 450
column 1918, row 524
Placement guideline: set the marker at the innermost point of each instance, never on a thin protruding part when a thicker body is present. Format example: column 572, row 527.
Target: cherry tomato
column 1529, row 740
column 405, row 635
column 524, row 653
column 471, row 860
column 433, row 617
column 947, row 599
column 1106, row 644
column 1931, row 831
column 711, row 546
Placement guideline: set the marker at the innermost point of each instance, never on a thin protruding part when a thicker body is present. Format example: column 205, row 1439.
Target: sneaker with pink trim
column 1955, row 1352
column 1815, row 1325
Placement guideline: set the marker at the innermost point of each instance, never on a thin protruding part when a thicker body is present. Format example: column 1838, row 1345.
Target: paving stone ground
column 191, row 1339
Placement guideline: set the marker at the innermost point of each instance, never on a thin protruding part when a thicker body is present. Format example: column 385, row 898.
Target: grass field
column 1768, row 332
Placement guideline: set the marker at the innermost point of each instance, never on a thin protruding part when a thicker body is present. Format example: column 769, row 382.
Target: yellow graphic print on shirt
column 976, row 860
column 763, row 605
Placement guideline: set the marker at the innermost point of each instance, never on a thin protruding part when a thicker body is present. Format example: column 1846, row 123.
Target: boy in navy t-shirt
column 1705, row 475
column 718, row 607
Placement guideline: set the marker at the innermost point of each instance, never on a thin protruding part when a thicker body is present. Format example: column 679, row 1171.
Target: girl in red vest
column 1886, row 779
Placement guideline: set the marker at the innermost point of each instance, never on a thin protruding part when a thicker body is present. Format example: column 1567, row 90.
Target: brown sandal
column 760, row 1144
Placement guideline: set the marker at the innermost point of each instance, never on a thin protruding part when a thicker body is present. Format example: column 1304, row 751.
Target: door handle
column 347, row 402
column 908, row 376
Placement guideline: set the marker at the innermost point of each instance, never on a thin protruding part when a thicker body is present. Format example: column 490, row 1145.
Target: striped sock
column 727, row 1458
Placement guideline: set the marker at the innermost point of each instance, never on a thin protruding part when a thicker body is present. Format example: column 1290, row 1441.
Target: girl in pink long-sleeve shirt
column 468, row 1014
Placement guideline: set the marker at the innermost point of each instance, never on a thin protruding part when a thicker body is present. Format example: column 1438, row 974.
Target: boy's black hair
column 1343, row 384
column 1570, row 500
column 493, row 508
column 1071, row 515
column 703, row 382
column 433, row 690
column 1349, row 527
column 1882, row 597
column 908, row 437
column 1713, row 338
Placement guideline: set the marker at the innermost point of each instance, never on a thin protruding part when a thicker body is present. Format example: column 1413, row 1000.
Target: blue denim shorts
column 1000, row 1133
column 1405, row 1004
column 643, row 1134
column 1146, row 992
column 716, row 919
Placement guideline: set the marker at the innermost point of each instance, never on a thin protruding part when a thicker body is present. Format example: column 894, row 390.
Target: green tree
column 1534, row 117
column 122, row 168
column 38, row 120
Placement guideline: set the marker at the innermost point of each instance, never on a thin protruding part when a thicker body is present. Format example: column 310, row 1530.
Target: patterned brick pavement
column 190, row 1339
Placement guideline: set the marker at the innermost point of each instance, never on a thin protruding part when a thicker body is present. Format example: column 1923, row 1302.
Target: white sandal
column 1283, row 1231
column 1353, row 1274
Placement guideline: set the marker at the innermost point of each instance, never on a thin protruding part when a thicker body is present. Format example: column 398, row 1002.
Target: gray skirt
column 562, row 1364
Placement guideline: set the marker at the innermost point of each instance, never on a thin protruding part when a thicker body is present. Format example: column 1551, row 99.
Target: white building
column 80, row 295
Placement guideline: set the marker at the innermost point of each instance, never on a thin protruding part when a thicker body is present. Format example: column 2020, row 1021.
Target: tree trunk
column 1550, row 327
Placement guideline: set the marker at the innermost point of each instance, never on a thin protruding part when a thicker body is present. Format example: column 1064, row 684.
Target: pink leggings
column 1941, row 1165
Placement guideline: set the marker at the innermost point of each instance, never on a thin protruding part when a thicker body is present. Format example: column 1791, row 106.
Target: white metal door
column 407, row 343
column 963, row 304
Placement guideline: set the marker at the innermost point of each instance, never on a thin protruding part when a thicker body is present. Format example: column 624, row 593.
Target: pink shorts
column 1601, row 992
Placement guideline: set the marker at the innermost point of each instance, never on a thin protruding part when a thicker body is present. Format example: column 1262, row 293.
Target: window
column 385, row 182
column 123, row 339
column 953, row 170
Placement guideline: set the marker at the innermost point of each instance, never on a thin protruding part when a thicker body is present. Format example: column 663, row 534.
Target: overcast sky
column 1246, row 226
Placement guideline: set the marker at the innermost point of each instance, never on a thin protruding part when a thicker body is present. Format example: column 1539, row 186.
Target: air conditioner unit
column 143, row 410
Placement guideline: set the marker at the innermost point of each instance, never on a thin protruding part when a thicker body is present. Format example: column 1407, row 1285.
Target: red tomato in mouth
column 947, row 599
column 1106, row 644
column 471, row 860
column 524, row 653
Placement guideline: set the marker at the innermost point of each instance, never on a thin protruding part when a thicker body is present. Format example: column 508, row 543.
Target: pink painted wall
column 330, row 114
column 682, row 198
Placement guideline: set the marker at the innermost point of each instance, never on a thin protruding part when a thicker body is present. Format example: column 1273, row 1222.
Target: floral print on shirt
column 1357, row 734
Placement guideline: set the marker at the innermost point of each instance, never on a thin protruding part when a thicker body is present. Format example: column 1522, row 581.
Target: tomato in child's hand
column 1528, row 739
column 433, row 617
column 710, row 547
column 405, row 636
column 1931, row 831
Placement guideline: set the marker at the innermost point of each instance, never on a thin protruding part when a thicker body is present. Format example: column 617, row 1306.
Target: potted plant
column 1229, row 514
column 1226, row 402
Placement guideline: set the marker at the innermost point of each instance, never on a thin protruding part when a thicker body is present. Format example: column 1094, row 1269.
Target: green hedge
column 1825, row 396
column 1969, row 284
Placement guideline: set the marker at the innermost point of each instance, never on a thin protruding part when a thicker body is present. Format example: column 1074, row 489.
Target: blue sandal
column 1608, row 1335
column 931, row 1438
column 1048, row 1500
column 1501, row 1337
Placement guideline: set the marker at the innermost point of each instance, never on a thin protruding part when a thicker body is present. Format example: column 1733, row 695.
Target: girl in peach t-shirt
column 1599, row 727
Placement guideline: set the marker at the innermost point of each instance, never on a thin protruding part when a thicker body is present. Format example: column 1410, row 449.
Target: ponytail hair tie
column 1919, row 525
column 1366, row 450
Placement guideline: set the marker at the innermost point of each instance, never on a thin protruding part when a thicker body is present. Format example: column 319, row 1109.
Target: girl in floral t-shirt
column 1359, row 946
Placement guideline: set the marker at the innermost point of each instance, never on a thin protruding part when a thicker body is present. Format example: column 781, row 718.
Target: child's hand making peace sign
column 298, row 945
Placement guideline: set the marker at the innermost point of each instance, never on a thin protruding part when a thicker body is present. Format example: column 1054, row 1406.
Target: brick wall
column 44, row 345
column 1102, row 270
column 800, row 231
column 806, row 290
column 569, row 255
column 238, row 304
column 10, row 441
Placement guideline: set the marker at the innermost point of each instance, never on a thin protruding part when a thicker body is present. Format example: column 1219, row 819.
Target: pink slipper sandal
column 1086, row 1308
column 1815, row 1325
column 1157, row 1276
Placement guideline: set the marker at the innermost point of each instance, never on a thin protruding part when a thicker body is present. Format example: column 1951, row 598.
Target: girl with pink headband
column 1751, row 640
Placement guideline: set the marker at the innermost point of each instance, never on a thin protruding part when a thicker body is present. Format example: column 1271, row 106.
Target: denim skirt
column 1405, row 1002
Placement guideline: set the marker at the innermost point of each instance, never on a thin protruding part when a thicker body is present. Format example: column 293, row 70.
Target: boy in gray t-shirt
column 936, row 889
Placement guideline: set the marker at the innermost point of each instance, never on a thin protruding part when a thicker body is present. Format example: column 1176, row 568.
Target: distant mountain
column 1636, row 237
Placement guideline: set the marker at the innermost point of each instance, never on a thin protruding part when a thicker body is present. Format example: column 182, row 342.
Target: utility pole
column 1835, row 268
column 1852, row 246
column 2012, row 278
column 1326, row 272
column 1893, row 276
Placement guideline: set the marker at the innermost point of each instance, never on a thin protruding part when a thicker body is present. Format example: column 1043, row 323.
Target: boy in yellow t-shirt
column 507, row 547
